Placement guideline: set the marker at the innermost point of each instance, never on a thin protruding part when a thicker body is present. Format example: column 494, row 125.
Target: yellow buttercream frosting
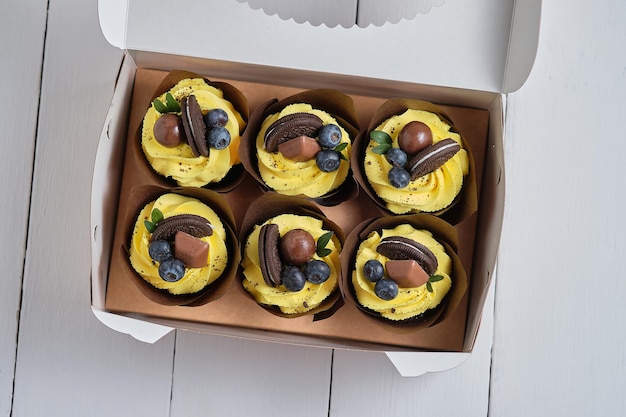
column 312, row 295
column 410, row 302
column 179, row 162
column 195, row 279
column 429, row 193
column 300, row 178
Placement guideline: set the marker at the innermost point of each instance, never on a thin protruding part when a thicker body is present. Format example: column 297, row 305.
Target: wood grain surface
column 558, row 341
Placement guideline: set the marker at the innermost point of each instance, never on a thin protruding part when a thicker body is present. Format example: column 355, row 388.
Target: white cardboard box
column 469, row 55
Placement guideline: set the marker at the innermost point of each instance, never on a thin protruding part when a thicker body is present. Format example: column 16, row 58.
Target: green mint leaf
column 341, row 146
column 435, row 278
column 156, row 216
column 160, row 107
column 323, row 240
column 380, row 137
column 172, row 104
column 149, row 226
column 429, row 287
column 381, row 149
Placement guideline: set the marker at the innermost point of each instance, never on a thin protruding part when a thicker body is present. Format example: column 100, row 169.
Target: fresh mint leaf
column 159, row 106
column 380, row 137
column 323, row 240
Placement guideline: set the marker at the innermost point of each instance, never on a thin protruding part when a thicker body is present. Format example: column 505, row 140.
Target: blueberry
column 293, row 278
column 160, row 250
column 373, row 270
column 215, row 117
column 396, row 157
column 171, row 269
column 316, row 271
column 398, row 177
column 218, row 137
column 386, row 289
column 329, row 136
column 328, row 160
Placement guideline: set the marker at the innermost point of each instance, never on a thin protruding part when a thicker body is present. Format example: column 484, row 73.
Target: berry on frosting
column 215, row 117
column 328, row 160
column 329, row 136
column 386, row 289
column 373, row 270
column 293, row 278
column 159, row 250
column 399, row 177
column 218, row 137
column 316, row 271
column 172, row 270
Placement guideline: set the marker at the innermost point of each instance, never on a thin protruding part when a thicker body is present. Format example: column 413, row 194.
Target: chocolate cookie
column 194, row 126
column 269, row 256
column 431, row 158
column 196, row 226
column 289, row 127
column 398, row 247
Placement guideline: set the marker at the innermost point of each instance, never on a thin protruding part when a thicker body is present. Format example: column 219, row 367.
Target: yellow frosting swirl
column 179, row 162
column 410, row 302
column 429, row 193
column 300, row 178
column 195, row 279
column 312, row 295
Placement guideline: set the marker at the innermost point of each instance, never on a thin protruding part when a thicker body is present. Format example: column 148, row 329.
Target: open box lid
column 486, row 45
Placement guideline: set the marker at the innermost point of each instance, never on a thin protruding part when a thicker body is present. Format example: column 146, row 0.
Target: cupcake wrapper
column 142, row 195
column 232, row 94
column 335, row 103
column 443, row 232
column 271, row 205
column 465, row 203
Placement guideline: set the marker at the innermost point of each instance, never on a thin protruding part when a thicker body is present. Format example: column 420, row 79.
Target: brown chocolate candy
column 431, row 158
column 193, row 251
column 399, row 247
column 300, row 149
column 407, row 273
column 269, row 257
column 289, row 127
column 194, row 126
column 168, row 130
column 192, row 224
column 414, row 137
column 297, row 247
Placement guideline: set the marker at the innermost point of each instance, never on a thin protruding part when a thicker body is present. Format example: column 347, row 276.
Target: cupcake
column 191, row 132
column 290, row 256
column 404, row 269
column 412, row 160
column 301, row 146
column 183, row 246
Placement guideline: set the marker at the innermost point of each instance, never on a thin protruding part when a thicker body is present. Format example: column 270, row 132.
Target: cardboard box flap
column 486, row 45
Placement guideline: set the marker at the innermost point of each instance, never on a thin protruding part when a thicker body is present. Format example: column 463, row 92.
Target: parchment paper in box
column 237, row 310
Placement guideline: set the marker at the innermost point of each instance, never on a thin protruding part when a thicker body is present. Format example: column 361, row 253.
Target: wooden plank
column 216, row 375
column 68, row 364
column 367, row 384
column 22, row 29
column 328, row 12
column 559, row 345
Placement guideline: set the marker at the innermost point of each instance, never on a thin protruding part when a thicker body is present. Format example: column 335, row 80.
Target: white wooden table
column 559, row 336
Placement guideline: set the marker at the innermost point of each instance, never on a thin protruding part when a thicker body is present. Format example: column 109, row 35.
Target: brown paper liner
column 270, row 205
column 465, row 203
column 138, row 198
column 335, row 103
column 232, row 94
column 443, row 232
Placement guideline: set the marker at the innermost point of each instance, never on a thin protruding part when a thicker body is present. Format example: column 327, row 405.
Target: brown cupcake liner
column 270, row 205
column 465, row 203
column 335, row 103
column 138, row 198
column 443, row 232
column 232, row 94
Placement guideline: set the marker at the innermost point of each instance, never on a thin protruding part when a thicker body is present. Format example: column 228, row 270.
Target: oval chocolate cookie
column 192, row 224
column 431, row 158
column 269, row 255
column 398, row 247
column 194, row 126
column 289, row 127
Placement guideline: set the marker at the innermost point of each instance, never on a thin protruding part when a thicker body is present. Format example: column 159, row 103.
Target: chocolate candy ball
column 297, row 247
column 168, row 130
column 414, row 137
